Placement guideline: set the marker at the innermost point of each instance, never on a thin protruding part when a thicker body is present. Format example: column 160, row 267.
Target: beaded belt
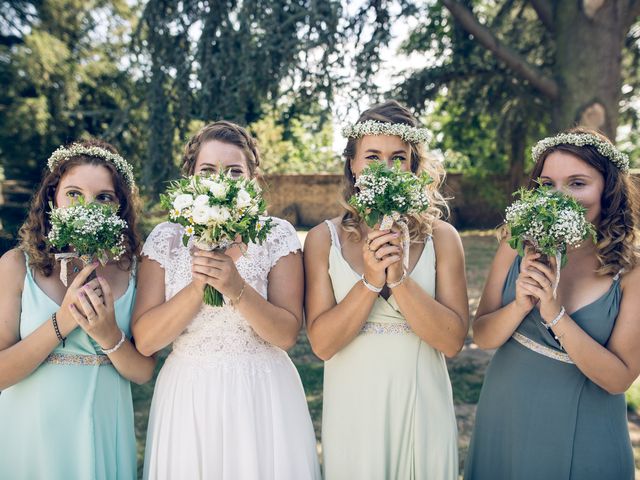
column 541, row 349
column 385, row 328
column 77, row 359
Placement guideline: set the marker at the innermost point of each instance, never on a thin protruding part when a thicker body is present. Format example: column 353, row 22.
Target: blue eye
column 74, row 194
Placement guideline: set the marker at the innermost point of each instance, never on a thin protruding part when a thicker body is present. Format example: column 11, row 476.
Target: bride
column 228, row 402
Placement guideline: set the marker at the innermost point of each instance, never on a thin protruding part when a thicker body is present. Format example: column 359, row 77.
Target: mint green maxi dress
column 72, row 418
column 388, row 406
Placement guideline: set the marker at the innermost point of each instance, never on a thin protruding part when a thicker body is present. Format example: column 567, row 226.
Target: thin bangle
column 399, row 282
column 373, row 288
column 109, row 351
column 55, row 327
column 235, row 302
column 553, row 322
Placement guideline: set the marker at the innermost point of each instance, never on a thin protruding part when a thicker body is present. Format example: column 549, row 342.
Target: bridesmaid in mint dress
column 552, row 405
column 382, row 332
column 65, row 356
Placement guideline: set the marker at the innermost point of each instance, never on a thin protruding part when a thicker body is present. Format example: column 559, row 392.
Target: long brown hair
column 617, row 231
column 420, row 225
column 34, row 231
column 226, row 132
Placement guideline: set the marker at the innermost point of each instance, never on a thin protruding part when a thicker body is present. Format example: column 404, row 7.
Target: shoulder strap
column 335, row 239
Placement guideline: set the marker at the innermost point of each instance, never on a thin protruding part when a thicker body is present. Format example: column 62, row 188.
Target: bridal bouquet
column 215, row 211
column 548, row 221
column 93, row 231
column 386, row 195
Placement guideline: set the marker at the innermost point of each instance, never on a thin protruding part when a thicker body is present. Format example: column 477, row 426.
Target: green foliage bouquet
column 215, row 211
column 93, row 231
column 549, row 222
column 386, row 195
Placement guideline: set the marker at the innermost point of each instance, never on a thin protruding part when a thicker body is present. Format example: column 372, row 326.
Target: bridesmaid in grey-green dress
column 552, row 405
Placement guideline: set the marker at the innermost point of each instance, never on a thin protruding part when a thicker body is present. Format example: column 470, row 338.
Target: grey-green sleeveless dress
column 538, row 416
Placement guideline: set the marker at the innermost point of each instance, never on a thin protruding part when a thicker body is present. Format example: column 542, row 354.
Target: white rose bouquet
column 93, row 231
column 215, row 211
column 549, row 222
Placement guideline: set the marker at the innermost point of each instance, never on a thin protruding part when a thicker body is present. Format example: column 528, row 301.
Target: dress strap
column 335, row 239
column 617, row 275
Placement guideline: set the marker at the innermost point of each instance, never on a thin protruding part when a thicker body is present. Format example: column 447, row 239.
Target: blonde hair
column 420, row 225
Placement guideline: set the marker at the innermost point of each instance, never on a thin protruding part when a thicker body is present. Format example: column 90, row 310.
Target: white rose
column 201, row 214
column 218, row 189
column 244, row 199
column 201, row 201
column 182, row 201
column 219, row 214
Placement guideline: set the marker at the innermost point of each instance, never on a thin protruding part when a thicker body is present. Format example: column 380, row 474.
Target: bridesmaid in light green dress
column 65, row 410
column 383, row 333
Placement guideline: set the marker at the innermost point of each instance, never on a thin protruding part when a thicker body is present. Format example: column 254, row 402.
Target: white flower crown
column 372, row 127
column 65, row 153
column 606, row 149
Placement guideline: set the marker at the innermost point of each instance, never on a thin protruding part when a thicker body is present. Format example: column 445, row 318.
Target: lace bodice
column 219, row 332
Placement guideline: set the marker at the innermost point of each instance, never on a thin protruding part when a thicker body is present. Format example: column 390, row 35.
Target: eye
column 105, row 198
column 207, row 171
column 235, row 172
column 372, row 158
column 402, row 158
column 546, row 184
column 577, row 183
column 74, row 194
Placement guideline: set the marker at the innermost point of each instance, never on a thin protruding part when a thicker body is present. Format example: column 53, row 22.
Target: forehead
column 563, row 164
column 88, row 176
column 382, row 143
column 216, row 152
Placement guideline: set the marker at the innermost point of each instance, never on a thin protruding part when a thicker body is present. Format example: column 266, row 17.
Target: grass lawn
column 466, row 370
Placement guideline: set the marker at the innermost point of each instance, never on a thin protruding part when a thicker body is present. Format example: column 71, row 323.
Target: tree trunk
column 518, row 144
column 589, row 41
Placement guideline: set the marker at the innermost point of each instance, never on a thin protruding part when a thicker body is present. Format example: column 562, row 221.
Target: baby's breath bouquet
column 549, row 222
column 386, row 195
column 215, row 211
column 92, row 231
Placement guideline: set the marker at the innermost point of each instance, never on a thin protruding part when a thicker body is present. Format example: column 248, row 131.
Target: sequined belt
column 77, row 359
column 385, row 328
column 541, row 349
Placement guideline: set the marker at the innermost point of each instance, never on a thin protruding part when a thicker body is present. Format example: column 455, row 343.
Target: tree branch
column 511, row 58
column 544, row 9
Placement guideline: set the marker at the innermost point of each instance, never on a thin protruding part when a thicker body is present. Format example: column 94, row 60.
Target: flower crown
column 65, row 153
column 372, row 127
column 605, row 148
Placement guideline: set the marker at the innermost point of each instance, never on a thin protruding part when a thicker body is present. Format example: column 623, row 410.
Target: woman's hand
column 379, row 253
column 541, row 287
column 218, row 270
column 395, row 271
column 64, row 316
column 525, row 300
column 96, row 315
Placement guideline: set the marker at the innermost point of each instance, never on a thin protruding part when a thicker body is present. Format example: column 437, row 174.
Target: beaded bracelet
column 55, row 327
column 373, row 288
column 553, row 322
column 109, row 351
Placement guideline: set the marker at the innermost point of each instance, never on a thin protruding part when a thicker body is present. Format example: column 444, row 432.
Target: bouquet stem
column 213, row 297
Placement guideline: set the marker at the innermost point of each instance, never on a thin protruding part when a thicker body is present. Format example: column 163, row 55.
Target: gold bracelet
column 235, row 302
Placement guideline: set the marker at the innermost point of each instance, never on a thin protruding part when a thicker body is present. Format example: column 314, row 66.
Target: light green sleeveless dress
column 388, row 407
column 72, row 418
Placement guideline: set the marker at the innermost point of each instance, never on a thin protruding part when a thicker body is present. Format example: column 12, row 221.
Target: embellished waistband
column 541, row 349
column 385, row 328
column 77, row 359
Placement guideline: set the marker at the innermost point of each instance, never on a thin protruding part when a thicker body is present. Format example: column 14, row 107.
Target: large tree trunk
column 589, row 40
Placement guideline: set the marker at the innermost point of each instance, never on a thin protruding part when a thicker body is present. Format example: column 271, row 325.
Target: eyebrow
column 216, row 166
column 378, row 151
column 579, row 175
column 78, row 188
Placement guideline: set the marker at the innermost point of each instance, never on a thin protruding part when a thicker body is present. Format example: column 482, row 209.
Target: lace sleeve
column 282, row 240
column 160, row 242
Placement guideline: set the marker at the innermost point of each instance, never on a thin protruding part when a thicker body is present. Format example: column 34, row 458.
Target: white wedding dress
column 227, row 404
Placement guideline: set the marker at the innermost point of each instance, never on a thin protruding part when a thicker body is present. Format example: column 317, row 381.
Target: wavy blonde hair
column 616, row 244
column 420, row 225
column 33, row 232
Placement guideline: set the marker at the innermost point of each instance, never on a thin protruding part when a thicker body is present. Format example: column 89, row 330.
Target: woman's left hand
column 545, row 277
column 220, row 270
column 96, row 315
column 396, row 269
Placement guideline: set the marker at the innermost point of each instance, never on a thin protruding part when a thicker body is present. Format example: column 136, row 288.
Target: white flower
column 218, row 189
column 189, row 230
column 243, row 200
column 219, row 214
column 182, row 201
column 201, row 214
column 201, row 201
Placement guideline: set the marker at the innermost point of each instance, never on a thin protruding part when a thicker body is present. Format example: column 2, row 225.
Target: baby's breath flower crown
column 65, row 153
column 605, row 148
column 372, row 127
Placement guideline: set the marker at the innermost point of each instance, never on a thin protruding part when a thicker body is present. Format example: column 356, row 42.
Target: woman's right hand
column 66, row 322
column 378, row 253
column 523, row 300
